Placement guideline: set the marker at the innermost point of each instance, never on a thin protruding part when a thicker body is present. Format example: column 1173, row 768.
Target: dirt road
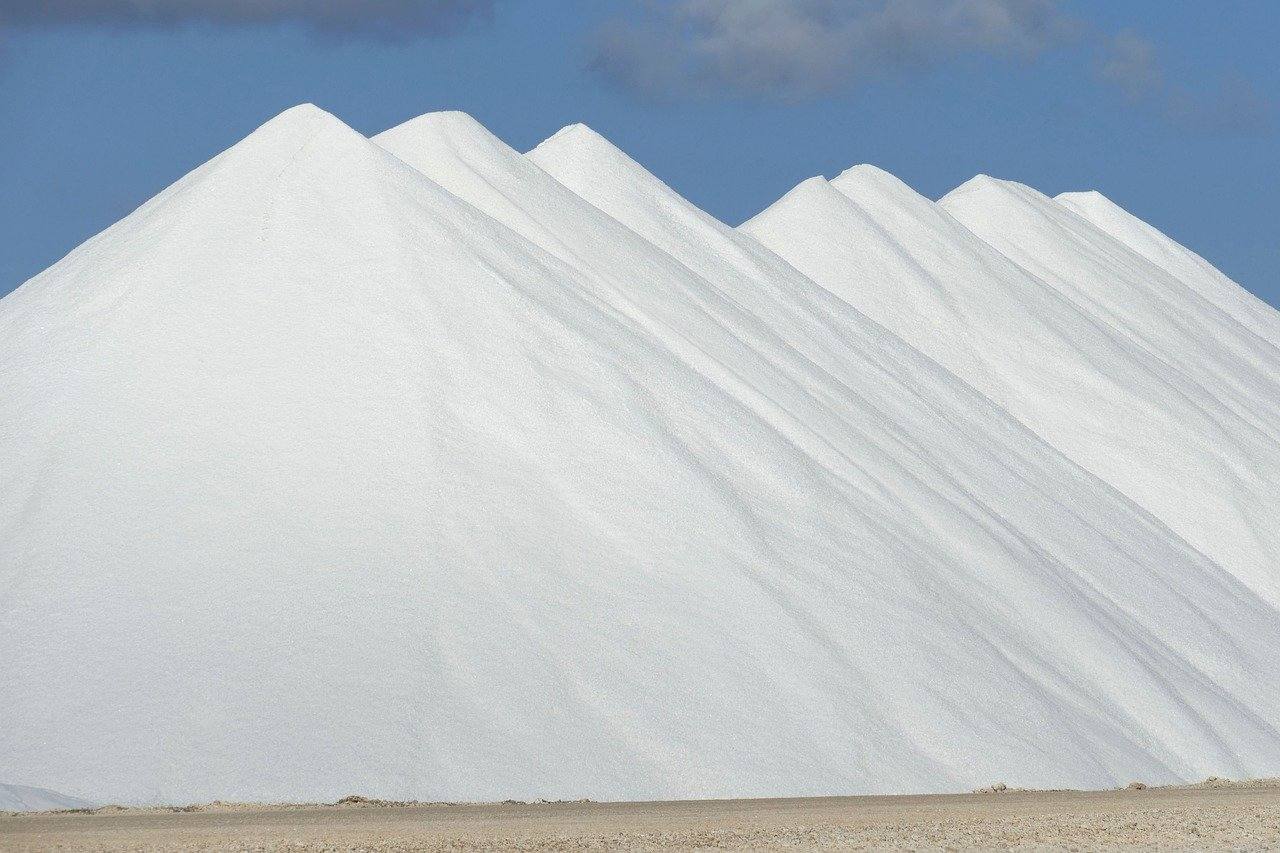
column 1239, row 816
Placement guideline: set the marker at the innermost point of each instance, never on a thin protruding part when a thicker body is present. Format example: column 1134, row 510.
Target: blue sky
column 1168, row 108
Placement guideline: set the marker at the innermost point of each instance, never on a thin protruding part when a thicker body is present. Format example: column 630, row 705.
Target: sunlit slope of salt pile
column 1129, row 414
column 1177, row 260
column 1155, row 309
column 1170, row 320
column 317, row 478
column 455, row 151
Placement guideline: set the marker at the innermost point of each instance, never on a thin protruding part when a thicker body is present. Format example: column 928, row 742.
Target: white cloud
column 789, row 49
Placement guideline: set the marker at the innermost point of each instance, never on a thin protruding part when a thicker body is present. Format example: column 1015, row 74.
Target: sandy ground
column 1208, row 816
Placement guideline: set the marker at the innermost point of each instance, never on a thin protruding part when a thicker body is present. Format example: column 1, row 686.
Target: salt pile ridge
column 426, row 469
column 1178, row 261
column 1136, row 411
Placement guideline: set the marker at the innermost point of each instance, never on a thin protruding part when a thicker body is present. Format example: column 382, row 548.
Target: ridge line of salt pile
column 1067, row 374
column 1177, row 260
column 1228, row 375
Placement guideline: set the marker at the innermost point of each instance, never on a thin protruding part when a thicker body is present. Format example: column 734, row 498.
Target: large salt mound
column 1078, row 377
column 319, row 477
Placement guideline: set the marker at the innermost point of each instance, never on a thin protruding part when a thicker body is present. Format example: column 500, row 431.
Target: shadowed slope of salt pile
column 24, row 798
column 319, row 477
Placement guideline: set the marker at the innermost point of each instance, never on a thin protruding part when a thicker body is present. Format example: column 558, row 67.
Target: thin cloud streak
column 1235, row 105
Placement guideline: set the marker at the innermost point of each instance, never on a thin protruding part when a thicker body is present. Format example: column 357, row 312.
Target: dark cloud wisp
column 389, row 19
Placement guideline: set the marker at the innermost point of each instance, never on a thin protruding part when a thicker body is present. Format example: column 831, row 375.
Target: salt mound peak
column 818, row 183
column 300, row 136
column 609, row 179
column 579, row 143
column 299, row 125
column 305, row 113
column 1091, row 196
column 981, row 184
column 866, row 176
column 879, row 191
column 811, row 194
column 433, row 139
column 455, row 124
column 983, row 195
column 296, row 139
column 867, row 170
column 1100, row 210
column 1103, row 213
column 577, row 133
